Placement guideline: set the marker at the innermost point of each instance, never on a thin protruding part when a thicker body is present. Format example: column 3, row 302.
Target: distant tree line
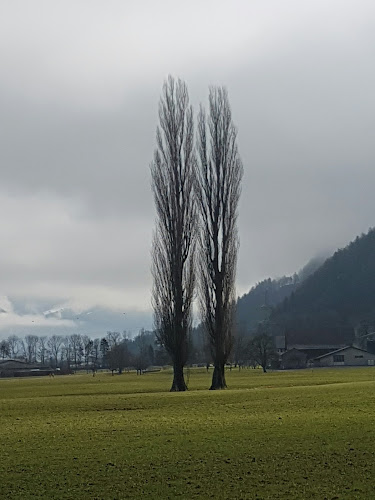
column 114, row 351
column 118, row 353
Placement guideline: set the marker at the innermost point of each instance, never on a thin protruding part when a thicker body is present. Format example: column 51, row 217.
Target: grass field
column 291, row 435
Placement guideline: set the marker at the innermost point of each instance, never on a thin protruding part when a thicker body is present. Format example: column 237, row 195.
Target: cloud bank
column 79, row 90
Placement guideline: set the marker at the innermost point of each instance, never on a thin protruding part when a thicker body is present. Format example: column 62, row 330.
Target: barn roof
column 341, row 350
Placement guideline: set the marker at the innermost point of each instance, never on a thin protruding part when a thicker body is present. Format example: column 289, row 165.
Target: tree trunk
column 178, row 383
column 264, row 369
column 218, row 378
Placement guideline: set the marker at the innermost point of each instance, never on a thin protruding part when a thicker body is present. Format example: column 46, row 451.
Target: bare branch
column 175, row 236
column 218, row 189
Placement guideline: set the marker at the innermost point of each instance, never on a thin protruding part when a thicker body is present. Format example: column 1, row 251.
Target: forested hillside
column 333, row 301
column 257, row 305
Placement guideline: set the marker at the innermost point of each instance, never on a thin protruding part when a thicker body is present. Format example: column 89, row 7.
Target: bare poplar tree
column 76, row 348
column 173, row 178
column 219, row 175
column 54, row 344
column 4, row 349
column 42, row 349
column 31, row 344
column 14, row 345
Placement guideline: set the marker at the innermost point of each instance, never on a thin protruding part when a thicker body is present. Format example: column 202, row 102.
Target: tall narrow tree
column 173, row 178
column 218, row 190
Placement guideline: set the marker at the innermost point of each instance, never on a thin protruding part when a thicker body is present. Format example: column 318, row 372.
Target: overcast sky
column 79, row 89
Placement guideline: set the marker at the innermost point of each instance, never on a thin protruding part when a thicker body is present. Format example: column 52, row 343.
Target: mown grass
column 291, row 435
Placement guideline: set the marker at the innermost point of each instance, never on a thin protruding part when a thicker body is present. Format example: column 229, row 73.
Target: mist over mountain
column 21, row 317
column 336, row 299
column 257, row 304
column 323, row 302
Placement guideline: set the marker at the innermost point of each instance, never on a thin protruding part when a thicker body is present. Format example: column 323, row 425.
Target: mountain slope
column 331, row 302
column 257, row 304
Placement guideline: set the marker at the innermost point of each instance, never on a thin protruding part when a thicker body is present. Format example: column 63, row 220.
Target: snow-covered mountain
column 20, row 317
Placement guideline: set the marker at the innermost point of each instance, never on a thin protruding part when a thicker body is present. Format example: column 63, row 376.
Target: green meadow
column 291, row 435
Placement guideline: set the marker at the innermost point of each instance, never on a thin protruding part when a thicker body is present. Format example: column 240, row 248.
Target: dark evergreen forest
column 336, row 300
column 258, row 304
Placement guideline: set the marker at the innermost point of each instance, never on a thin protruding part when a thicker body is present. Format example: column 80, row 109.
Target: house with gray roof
column 21, row 368
column 346, row 356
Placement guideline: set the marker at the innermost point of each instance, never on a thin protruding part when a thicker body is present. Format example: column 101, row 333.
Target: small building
column 312, row 351
column 20, row 368
column 302, row 355
column 370, row 346
column 346, row 356
column 280, row 343
column 292, row 359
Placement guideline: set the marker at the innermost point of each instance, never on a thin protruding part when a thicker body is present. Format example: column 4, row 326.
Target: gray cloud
column 78, row 98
